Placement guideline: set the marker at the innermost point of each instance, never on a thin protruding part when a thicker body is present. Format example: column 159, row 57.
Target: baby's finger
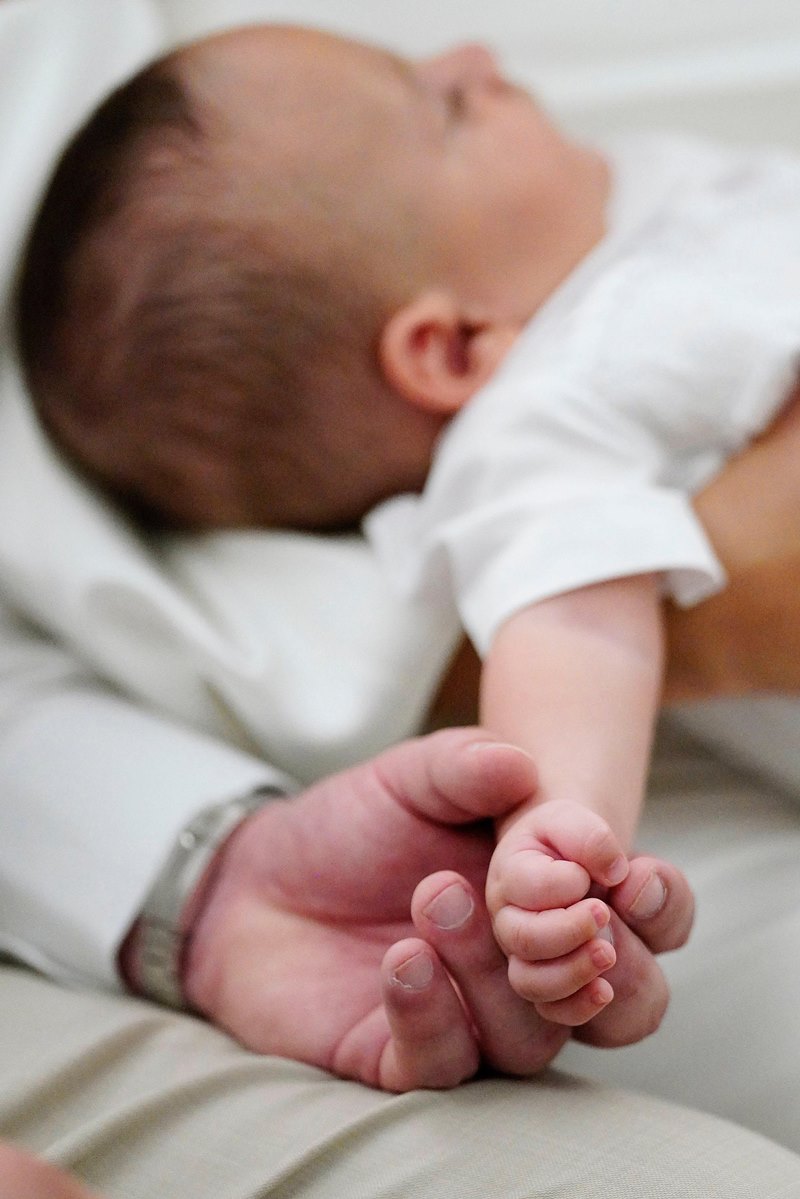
column 545, row 982
column 533, row 936
column 581, row 1007
column 581, row 835
column 530, row 878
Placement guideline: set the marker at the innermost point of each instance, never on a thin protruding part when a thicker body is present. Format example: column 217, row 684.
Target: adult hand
column 327, row 937
column 747, row 638
column 651, row 912
column 305, row 947
column 25, row 1177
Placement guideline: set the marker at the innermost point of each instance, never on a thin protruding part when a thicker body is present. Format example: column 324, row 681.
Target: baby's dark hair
column 199, row 364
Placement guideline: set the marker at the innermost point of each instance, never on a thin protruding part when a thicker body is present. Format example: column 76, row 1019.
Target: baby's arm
column 575, row 681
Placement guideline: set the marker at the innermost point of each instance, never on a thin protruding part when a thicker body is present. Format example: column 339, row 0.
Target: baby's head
column 273, row 265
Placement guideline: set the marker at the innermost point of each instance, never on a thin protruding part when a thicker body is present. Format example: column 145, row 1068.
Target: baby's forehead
column 303, row 100
column 294, row 60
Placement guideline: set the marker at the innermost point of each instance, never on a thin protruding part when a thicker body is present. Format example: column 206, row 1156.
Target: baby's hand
column 544, row 921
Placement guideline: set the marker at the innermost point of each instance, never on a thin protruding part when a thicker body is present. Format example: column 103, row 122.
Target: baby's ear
column 433, row 355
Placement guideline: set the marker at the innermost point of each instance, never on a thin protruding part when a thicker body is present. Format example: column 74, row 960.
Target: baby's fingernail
column 617, row 871
column 415, row 974
column 603, row 956
column 602, row 992
column 650, row 899
column 451, row 908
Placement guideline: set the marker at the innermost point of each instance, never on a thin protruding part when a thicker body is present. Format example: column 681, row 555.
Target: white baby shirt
column 671, row 345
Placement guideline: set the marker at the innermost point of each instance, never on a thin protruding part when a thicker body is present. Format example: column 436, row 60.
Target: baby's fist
column 552, row 932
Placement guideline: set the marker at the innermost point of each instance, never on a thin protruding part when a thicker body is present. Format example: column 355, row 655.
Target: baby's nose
column 470, row 63
column 477, row 62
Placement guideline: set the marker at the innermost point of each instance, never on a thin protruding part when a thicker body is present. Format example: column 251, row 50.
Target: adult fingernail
column 451, row 908
column 490, row 744
column 650, row 899
column 415, row 974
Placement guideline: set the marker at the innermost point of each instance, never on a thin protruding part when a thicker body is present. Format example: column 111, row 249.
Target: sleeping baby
column 281, row 279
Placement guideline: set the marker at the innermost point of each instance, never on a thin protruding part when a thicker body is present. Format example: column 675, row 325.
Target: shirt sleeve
column 92, row 794
column 502, row 557
column 538, row 489
column 611, row 536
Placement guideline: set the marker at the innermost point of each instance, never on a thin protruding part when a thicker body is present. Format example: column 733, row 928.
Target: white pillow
column 57, row 59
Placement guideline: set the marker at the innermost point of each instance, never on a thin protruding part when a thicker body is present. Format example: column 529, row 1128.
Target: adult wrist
column 152, row 956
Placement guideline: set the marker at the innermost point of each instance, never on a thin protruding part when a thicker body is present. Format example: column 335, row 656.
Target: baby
column 264, row 284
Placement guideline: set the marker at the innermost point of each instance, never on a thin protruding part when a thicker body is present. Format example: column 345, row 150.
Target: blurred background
column 723, row 67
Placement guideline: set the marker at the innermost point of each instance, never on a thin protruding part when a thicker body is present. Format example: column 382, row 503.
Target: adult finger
column 641, row 995
column 656, row 901
column 453, row 919
column 25, row 1177
column 456, row 775
column 432, row 1043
